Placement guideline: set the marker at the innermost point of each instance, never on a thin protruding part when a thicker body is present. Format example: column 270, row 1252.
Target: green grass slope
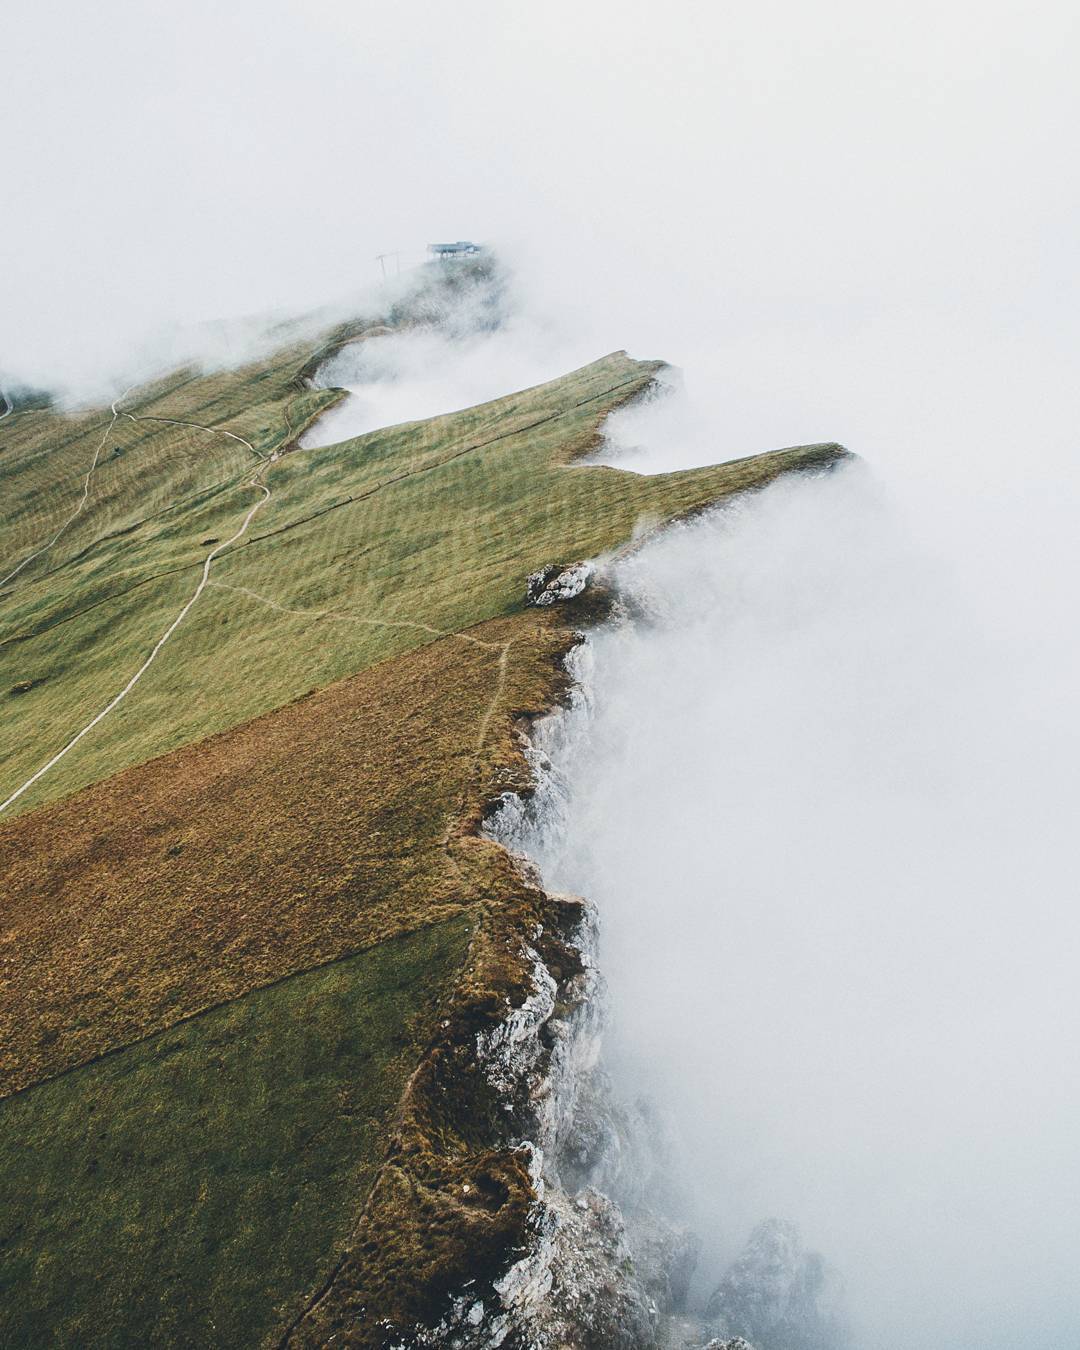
column 402, row 534
column 173, row 1194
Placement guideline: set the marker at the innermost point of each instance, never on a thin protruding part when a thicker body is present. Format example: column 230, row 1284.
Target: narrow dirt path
column 82, row 500
column 204, row 580
column 216, row 431
column 496, row 697
column 343, row 616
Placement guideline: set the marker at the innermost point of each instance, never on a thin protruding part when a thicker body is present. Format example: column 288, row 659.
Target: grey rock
column 557, row 582
column 780, row 1295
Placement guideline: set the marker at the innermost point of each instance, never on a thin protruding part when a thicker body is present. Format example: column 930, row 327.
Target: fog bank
column 426, row 371
column 780, row 182
column 827, row 815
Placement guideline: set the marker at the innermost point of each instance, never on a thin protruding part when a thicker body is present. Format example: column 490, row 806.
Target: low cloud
column 825, row 810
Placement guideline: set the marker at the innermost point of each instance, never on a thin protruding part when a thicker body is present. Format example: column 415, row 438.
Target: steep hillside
column 250, row 929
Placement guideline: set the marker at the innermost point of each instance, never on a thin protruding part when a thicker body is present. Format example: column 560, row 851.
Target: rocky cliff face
column 602, row 1270
column 579, row 1282
column 595, row 1262
column 785, row 1297
column 606, row 1267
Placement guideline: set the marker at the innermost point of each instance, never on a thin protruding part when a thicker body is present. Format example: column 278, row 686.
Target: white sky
column 659, row 169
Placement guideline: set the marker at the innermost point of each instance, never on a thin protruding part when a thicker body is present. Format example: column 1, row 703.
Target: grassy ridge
column 256, row 928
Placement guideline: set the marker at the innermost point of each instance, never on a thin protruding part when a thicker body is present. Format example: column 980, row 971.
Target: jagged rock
column 736, row 1343
column 779, row 1294
column 579, row 1288
column 665, row 1256
column 576, row 1284
column 557, row 582
column 606, row 1271
column 526, row 869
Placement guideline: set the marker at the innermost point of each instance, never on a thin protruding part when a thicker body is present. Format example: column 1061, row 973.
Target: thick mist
column 827, row 813
column 781, row 185
column 429, row 370
column 822, row 794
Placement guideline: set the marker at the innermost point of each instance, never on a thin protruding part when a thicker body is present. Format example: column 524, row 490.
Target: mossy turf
column 189, row 1190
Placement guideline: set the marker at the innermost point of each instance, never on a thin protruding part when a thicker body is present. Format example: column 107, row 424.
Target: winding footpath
column 204, row 579
column 217, row 431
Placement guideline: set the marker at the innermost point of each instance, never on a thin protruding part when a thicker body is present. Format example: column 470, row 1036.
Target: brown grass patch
column 306, row 834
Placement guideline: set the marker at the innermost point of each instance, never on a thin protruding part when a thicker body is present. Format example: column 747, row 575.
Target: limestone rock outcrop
column 557, row 582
